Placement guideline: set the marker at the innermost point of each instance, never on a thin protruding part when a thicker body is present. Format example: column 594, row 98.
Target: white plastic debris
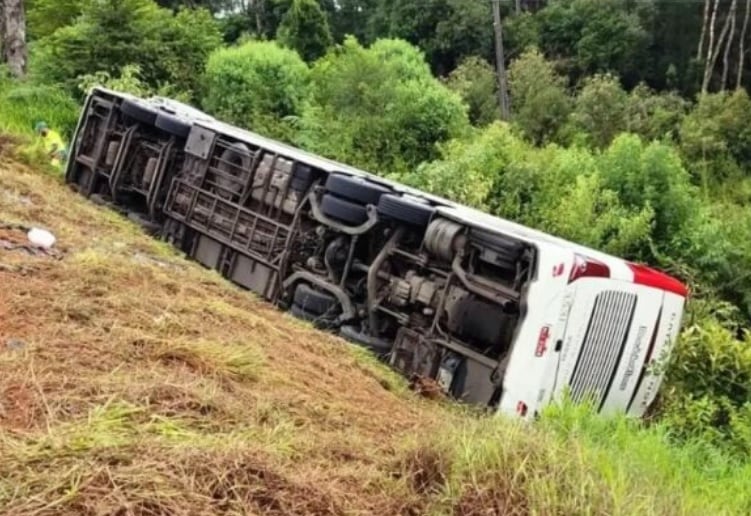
column 41, row 238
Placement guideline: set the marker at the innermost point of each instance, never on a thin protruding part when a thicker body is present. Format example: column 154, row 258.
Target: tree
column 474, row 79
column 596, row 36
column 538, row 97
column 46, row 16
column 716, row 133
column 600, row 109
column 305, row 28
column 379, row 107
column 655, row 116
column 446, row 30
column 13, row 18
column 257, row 85
column 167, row 47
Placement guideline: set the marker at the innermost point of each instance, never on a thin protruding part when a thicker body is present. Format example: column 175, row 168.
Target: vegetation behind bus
column 659, row 175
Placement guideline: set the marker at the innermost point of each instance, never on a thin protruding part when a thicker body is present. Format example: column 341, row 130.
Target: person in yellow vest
column 53, row 143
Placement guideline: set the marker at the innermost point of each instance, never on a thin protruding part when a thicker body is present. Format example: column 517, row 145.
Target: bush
column 479, row 161
column 379, row 108
column 651, row 176
column 560, row 191
column 258, row 85
column 708, row 386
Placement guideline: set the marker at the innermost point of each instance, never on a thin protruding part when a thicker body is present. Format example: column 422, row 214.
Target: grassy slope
column 135, row 382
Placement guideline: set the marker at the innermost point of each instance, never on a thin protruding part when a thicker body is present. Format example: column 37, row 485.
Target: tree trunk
column 742, row 45
column 258, row 7
column 731, row 36
column 503, row 99
column 14, row 40
column 713, row 49
column 704, row 20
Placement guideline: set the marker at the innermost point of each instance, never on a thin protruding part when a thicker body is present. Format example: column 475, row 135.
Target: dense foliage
column 611, row 141
column 258, row 85
column 110, row 34
column 379, row 107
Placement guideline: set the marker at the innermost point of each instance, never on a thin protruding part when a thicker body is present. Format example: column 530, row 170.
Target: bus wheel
column 355, row 189
column 405, row 209
column 343, row 210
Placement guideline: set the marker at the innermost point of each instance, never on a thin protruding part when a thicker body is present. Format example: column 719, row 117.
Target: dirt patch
column 18, row 406
column 247, row 483
column 7, row 144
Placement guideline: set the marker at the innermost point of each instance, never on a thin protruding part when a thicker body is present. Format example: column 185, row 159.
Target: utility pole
column 500, row 61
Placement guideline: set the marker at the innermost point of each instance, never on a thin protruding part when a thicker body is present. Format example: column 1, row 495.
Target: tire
column 139, row 112
column 343, row 210
column 405, row 209
column 172, row 125
column 355, row 189
column 314, row 301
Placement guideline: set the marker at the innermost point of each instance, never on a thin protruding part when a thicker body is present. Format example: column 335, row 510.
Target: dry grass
column 135, row 382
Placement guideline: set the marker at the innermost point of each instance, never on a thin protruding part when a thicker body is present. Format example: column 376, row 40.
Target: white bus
column 492, row 312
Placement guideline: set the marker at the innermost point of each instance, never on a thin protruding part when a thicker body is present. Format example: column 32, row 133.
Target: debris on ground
column 31, row 240
column 15, row 344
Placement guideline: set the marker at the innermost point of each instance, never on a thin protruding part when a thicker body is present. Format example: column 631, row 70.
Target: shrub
column 708, row 386
column 379, row 108
column 651, row 175
column 716, row 131
column 257, row 85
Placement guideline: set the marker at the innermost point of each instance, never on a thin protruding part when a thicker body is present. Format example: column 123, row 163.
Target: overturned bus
column 497, row 314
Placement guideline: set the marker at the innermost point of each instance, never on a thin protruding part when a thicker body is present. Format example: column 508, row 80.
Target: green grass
column 25, row 103
column 574, row 462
